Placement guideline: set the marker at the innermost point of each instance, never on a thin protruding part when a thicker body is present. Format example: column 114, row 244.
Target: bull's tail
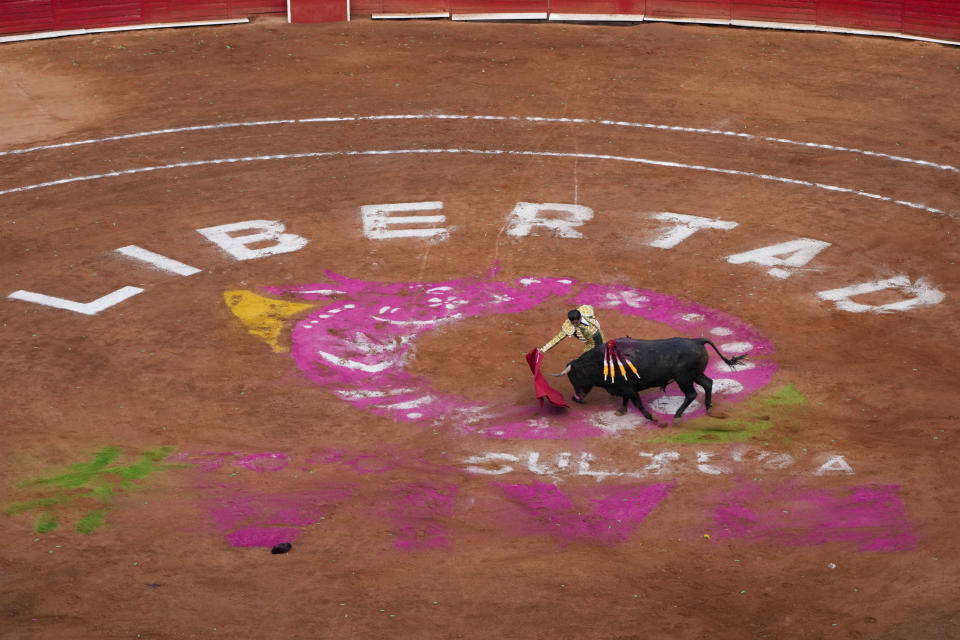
column 732, row 362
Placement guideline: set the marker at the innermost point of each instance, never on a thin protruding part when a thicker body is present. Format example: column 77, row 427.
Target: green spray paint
column 734, row 430
column 90, row 522
column 20, row 507
column 731, row 431
column 98, row 480
column 785, row 397
column 80, row 475
column 46, row 522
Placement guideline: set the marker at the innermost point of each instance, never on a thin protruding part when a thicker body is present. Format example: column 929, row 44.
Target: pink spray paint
column 605, row 516
column 263, row 520
column 872, row 517
column 417, row 512
column 262, row 462
column 206, row 460
column 358, row 346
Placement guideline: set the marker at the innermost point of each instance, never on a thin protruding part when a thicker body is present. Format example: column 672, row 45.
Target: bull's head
column 578, row 380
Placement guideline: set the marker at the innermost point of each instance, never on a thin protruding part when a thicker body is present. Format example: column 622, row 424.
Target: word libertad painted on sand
column 253, row 239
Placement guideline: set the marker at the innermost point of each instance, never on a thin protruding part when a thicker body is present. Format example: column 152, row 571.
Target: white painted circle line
column 144, row 134
column 615, row 123
column 504, row 152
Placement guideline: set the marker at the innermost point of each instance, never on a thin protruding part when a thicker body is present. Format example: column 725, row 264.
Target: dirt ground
column 154, row 451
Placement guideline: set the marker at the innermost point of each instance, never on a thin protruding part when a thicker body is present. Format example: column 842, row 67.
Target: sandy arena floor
column 337, row 242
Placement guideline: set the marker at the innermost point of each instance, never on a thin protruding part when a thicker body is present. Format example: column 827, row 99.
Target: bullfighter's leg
column 689, row 393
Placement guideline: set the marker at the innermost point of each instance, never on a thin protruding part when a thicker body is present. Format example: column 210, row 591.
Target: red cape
column 542, row 389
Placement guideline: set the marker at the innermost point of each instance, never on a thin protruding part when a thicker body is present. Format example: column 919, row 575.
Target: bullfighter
column 581, row 324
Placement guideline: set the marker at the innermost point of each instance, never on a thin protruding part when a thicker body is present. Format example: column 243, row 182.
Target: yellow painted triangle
column 264, row 317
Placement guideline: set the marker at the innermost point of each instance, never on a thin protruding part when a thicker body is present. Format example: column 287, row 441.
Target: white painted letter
column 489, row 457
column 160, row 262
column 702, row 458
column 658, row 462
column 835, row 463
column 779, row 461
column 685, row 226
column 86, row 308
column 376, row 217
column 801, row 252
column 266, row 231
column 922, row 292
column 583, row 469
column 533, row 464
column 526, row 215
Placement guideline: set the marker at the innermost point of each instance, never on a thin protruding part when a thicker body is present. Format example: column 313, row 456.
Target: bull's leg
column 707, row 385
column 623, row 408
column 689, row 393
column 639, row 405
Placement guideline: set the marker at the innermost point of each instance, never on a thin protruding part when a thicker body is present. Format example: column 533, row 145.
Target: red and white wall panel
column 22, row 16
column 597, row 10
column 314, row 11
column 18, row 16
column 793, row 12
column 930, row 19
column 870, row 15
column 80, row 14
column 704, row 11
column 411, row 9
column 49, row 15
column 499, row 9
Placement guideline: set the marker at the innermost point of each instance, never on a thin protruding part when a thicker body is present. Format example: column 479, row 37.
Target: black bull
column 657, row 363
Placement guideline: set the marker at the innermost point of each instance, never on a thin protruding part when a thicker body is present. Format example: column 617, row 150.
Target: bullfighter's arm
column 556, row 339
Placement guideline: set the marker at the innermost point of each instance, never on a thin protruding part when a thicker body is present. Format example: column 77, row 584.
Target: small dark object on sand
column 283, row 547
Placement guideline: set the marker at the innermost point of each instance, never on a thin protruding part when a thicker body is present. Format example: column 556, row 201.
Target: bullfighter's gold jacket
column 588, row 331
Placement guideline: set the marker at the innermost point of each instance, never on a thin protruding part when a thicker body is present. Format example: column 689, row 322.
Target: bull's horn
column 562, row 373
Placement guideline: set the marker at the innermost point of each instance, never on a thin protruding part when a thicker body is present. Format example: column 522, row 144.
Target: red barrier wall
column 624, row 8
column 875, row 15
column 939, row 19
column 19, row 16
column 520, row 8
column 702, row 9
column 313, row 11
column 802, row 12
column 405, row 7
column 932, row 18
